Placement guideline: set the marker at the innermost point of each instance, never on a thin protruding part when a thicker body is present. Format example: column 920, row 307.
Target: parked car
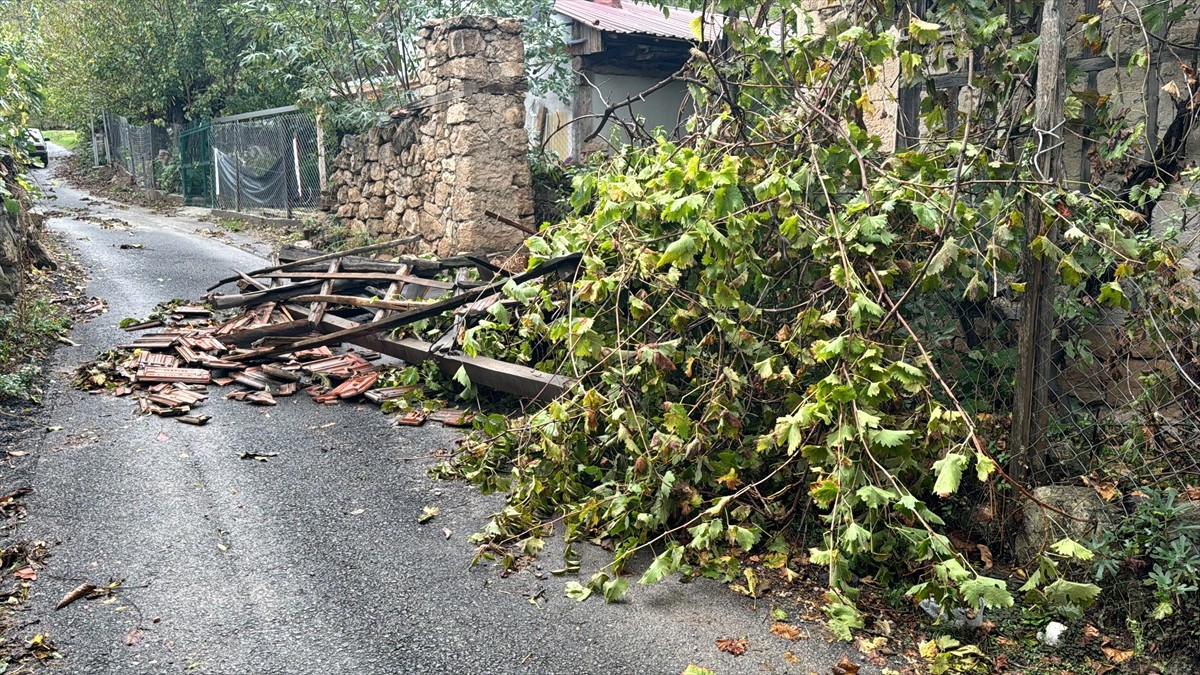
column 39, row 146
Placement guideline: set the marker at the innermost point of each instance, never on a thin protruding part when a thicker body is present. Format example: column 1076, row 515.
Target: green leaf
column 875, row 497
column 12, row 206
column 664, row 564
column 577, row 591
column 1113, row 295
column 1069, row 548
column 694, row 669
column 924, row 32
column 993, row 592
column 1071, row 271
column 891, row 438
column 614, row 589
column 744, row 537
column 679, row 253
column 949, row 471
column 1063, row 592
column 843, row 618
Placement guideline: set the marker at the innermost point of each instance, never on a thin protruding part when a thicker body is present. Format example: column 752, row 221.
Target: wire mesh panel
column 267, row 165
column 150, row 152
column 196, row 164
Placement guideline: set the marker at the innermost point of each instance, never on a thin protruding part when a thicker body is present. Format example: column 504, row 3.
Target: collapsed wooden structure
column 298, row 316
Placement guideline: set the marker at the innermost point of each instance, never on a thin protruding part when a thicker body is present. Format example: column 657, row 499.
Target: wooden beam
column 369, row 303
column 509, row 378
column 277, row 293
column 365, row 276
column 316, row 259
column 432, row 309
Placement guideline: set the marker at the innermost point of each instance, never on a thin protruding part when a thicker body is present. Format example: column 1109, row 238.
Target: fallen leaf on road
column 80, row 591
column 1090, row 633
column 163, row 437
column 693, row 669
column 133, row 637
column 17, row 453
column 735, row 646
column 785, row 631
column 50, row 430
column 845, row 667
column 223, row 547
column 577, row 591
column 791, row 657
column 869, row 645
column 355, row 512
column 259, row 456
column 26, row 573
column 446, row 531
column 428, row 514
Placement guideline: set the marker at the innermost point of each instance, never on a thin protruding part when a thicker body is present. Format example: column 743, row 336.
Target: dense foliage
column 360, row 59
column 759, row 329
column 176, row 61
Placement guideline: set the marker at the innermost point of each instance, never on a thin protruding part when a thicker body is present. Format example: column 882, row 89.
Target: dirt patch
column 111, row 182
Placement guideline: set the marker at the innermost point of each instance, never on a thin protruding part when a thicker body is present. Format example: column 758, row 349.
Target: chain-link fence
column 149, row 152
column 268, row 163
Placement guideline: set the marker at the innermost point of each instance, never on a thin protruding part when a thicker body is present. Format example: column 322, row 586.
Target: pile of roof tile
column 290, row 335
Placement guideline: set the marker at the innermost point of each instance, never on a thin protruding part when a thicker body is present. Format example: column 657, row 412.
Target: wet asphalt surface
column 311, row 562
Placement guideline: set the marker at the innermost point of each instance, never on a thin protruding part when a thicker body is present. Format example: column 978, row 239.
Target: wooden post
column 908, row 98
column 107, row 140
column 1031, row 406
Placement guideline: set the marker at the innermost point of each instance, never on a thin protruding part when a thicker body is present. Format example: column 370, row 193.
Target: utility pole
column 1031, row 407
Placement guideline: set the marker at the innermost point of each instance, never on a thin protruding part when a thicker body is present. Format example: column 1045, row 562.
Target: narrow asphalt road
column 312, row 562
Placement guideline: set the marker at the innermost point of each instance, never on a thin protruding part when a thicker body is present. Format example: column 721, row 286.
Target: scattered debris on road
column 293, row 322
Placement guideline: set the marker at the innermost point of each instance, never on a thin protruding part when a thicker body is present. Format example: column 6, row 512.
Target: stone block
column 458, row 113
column 1042, row 527
column 464, row 43
column 371, row 154
column 465, row 68
column 376, row 208
column 354, row 195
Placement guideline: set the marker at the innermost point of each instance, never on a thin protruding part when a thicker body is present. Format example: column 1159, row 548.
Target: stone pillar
column 460, row 151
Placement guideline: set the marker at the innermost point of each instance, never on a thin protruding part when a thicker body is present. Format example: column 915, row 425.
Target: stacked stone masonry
column 462, row 150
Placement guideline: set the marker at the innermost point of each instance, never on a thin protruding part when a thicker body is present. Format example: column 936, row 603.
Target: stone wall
column 459, row 150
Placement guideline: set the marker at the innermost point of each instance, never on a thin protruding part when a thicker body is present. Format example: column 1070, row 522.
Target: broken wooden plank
column 434, row 309
column 318, row 306
column 502, row 376
column 369, row 303
column 279, row 293
column 316, row 259
column 405, row 278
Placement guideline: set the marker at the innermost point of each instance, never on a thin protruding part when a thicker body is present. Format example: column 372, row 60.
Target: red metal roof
column 632, row 17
